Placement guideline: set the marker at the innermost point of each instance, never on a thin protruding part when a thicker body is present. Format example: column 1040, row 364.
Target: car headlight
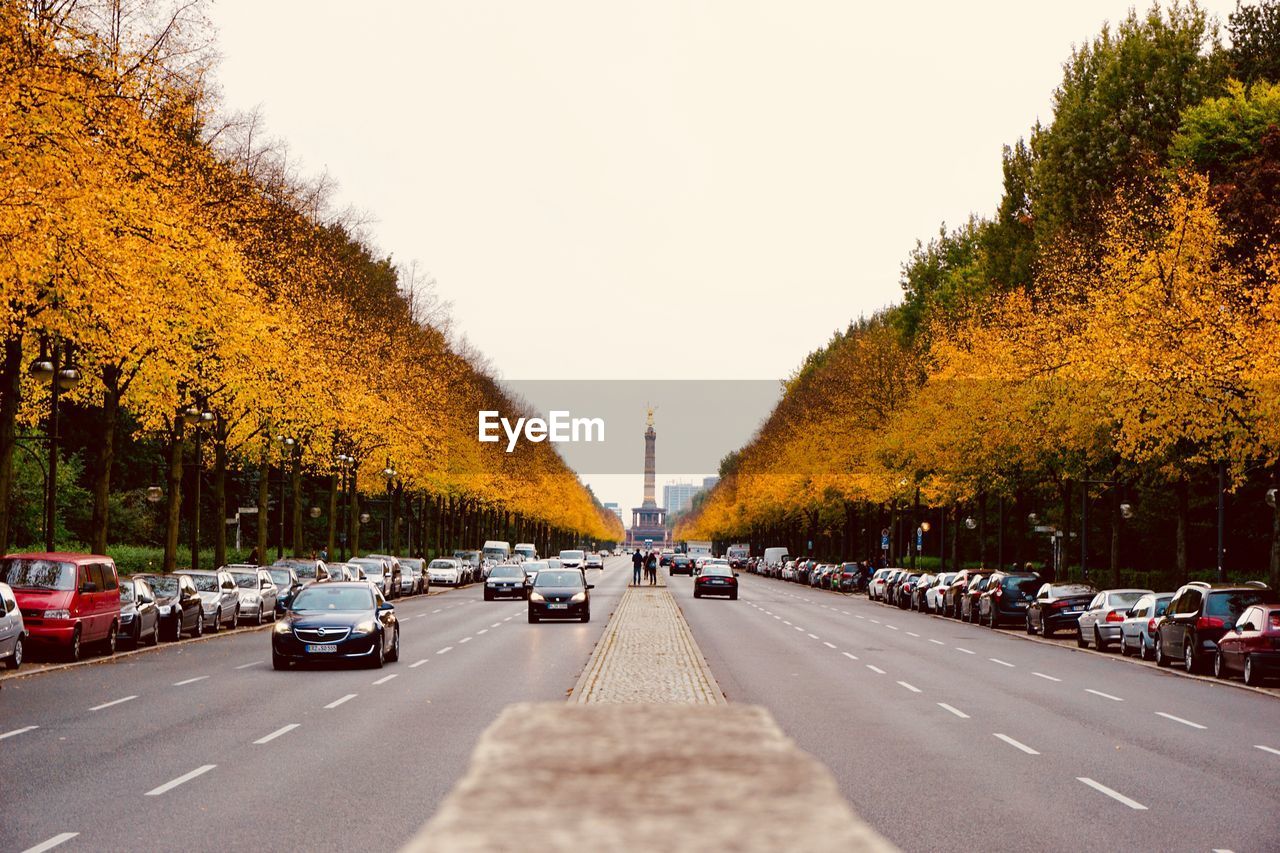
column 57, row 614
column 164, row 609
column 282, row 628
column 582, row 596
column 536, row 596
column 367, row 627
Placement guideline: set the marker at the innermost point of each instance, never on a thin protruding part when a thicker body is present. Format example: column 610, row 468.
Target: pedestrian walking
column 651, row 566
column 637, row 561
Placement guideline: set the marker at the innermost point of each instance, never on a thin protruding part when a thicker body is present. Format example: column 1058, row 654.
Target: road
column 948, row 736
column 319, row 759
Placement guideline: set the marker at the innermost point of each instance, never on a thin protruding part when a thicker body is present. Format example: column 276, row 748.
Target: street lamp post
column 62, row 375
column 286, row 442
column 390, row 473
column 196, row 418
column 345, row 463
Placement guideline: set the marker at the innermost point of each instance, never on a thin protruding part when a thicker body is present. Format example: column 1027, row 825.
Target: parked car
column 560, row 594
column 1137, row 631
column 850, row 577
column 257, row 592
column 391, row 569
column 875, row 587
column 178, row 604
column 1057, row 606
column 139, row 615
column 952, row 604
column 968, row 600
column 306, row 570
column 1252, row 646
column 69, row 602
column 1199, row 614
column 12, row 632
column 1100, row 622
column 904, row 588
column 417, row 568
column 891, row 585
column 506, row 581
column 445, row 570
column 378, row 573
column 716, row 579
column 337, row 621
column 287, row 585
column 1006, row 596
column 934, row 594
column 219, row 597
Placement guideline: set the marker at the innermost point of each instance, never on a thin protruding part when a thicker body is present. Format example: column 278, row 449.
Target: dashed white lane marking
column 891, row 627
column 961, row 714
column 1269, row 749
column 437, row 610
column 384, row 679
column 768, row 612
column 60, row 838
column 875, row 669
column 910, row 687
column 849, row 656
column 185, row 777
column 859, row 616
column 25, row 729
column 1045, row 677
column 417, row 664
column 966, row 651
column 936, row 642
column 814, row 636
column 508, row 619
column 115, row 702
column 777, row 617
column 876, row 622
column 1001, row 662
column 828, row 645
column 785, row 622
column 798, row 628
column 445, row 650
column 247, row 665
column 190, row 680
column 283, row 730
column 482, row 631
column 1180, row 720
column 845, row 612
column 912, row 634
column 1103, row 695
column 464, row 640
column 1115, row 795
column 338, row 702
column 495, row 624
column 1016, row 744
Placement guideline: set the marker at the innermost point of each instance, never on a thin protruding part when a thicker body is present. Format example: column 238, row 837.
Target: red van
column 67, row 601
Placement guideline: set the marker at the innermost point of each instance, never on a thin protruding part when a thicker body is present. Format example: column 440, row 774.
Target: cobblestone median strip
column 647, row 654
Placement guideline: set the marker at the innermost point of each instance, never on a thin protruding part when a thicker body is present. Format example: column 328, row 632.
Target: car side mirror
column 591, row 586
column 88, row 586
column 386, row 607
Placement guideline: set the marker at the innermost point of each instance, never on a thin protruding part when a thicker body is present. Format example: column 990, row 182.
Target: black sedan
column 337, row 622
column 287, row 586
column 139, row 615
column 178, row 605
column 506, row 581
column 560, row 594
column 1058, row 606
column 716, row 579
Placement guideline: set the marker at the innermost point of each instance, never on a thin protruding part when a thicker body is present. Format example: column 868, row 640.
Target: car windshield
column 1229, row 605
column 205, row 583
column 506, row 572
column 126, row 592
column 442, row 564
column 38, row 574
column 164, row 586
column 1072, row 589
column 571, row 555
column 559, row 578
column 304, row 570
column 716, row 570
column 281, row 577
column 1021, row 587
column 326, row 597
column 371, row 568
column 1122, row 599
column 248, row 580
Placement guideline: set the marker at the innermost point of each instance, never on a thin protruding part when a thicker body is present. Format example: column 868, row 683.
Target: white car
column 257, row 593
column 789, row 571
column 219, row 598
column 532, row 567
column 875, row 589
column 12, row 631
column 445, row 570
column 1137, row 631
column 933, row 595
column 572, row 559
column 594, row 561
column 1100, row 622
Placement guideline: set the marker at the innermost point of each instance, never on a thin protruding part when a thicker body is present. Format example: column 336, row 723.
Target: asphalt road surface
column 204, row 746
column 947, row 736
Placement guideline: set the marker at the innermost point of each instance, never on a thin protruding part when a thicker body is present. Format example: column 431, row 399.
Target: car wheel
column 1219, row 666
column 379, row 657
column 487, row 596
column 394, row 654
column 1031, row 629
column 278, row 661
column 1142, row 648
column 1080, row 640
column 1098, row 642
column 1189, row 658
column 136, row 640
column 697, row 594
column 1161, row 658
column 155, row 634
column 235, row 617
column 200, row 624
column 533, row 620
column 260, row 618
column 15, row 660
column 1045, row 630
column 733, row 596
column 73, row 650
column 1124, row 645
column 586, row 617
column 1251, row 675
column 217, row 622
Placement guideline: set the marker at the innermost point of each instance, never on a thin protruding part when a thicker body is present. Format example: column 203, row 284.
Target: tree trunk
column 174, row 485
column 955, row 537
column 393, row 519
column 10, row 398
column 264, row 501
column 106, row 459
column 219, row 492
column 1182, row 512
column 295, row 482
column 354, row 499
column 332, row 539
column 982, row 529
column 1065, row 490
column 1275, row 540
column 1115, row 536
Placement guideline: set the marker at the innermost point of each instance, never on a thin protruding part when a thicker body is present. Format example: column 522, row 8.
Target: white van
column 775, row 556
column 527, row 550
column 498, row 552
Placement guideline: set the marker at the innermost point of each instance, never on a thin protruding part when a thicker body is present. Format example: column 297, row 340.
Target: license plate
column 321, row 647
column 558, row 606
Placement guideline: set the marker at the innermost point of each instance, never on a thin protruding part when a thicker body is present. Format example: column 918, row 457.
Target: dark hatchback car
column 178, row 605
column 716, row 579
column 1197, row 617
column 506, row 581
column 139, row 615
column 1252, row 646
column 1057, row 607
column 1006, row 598
column 287, row 586
column 337, row 621
column 681, row 564
column 560, row 594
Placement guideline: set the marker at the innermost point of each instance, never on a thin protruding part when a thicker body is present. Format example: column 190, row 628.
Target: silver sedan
column 257, row 593
column 1100, row 622
column 1137, row 631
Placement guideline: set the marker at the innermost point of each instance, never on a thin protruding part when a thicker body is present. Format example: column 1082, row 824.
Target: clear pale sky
column 660, row 189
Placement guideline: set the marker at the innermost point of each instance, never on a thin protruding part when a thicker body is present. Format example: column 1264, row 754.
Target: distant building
column 709, row 482
column 677, row 497
column 615, row 509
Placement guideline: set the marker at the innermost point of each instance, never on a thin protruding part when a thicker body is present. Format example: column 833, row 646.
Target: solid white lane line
column 815, row 636
column 937, row 642
column 418, row 663
column 60, row 838
column 1045, row 677
column 384, row 679
column 185, row 777
column 1103, row 695
column 1180, row 720
column 849, row 656
column 338, row 702
column 190, row 680
column 1016, row 745
column 910, row 687
column 1001, row 662
column 109, row 704
column 875, row 669
column 247, row 665
column 961, row 714
column 283, row 730
column 464, row 640
column 966, row 651
column 912, row 634
column 828, row 645
column 1115, row 795
column 445, row 650
column 33, row 728
column 1270, row 749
